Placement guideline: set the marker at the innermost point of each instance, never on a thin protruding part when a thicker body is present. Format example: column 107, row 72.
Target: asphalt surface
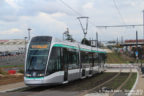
column 12, row 60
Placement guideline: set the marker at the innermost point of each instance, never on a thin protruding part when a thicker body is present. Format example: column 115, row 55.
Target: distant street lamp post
column 143, row 25
column 143, row 40
column 96, row 43
column 25, row 44
column 29, row 29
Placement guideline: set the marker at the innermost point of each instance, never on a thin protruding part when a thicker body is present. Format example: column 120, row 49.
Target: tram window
column 103, row 58
column 96, row 59
column 85, row 60
column 71, row 58
column 99, row 59
column 91, row 59
column 54, row 61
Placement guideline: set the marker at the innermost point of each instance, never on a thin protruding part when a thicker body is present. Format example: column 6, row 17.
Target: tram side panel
column 101, row 61
column 96, row 63
column 55, row 68
column 87, row 63
column 71, row 58
column 66, row 62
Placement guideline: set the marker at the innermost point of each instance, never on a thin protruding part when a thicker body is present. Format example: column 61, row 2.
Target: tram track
column 120, row 87
column 108, row 81
column 84, row 84
column 100, row 85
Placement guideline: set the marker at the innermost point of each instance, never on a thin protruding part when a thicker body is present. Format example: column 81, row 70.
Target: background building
column 15, row 45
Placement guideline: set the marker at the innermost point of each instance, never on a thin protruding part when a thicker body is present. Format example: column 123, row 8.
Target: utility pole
column 96, row 40
column 117, row 44
column 29, row 29
column 136, row 40
column 121, row 39
column 136, row 53
column 143, row 25
column 90, row 41
column 143, row 40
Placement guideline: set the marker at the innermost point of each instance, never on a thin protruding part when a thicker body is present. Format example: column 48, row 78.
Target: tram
column 51, row 61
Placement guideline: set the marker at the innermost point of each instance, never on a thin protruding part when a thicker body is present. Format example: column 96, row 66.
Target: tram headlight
column 28, row 75
column 40, row 74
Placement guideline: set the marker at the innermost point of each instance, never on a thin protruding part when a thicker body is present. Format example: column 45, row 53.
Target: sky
column 52, row 17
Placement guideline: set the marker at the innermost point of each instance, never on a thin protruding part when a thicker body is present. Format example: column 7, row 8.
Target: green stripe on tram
column 85, row 49
column 73, row 47
column 34, row 77
column 66, row 46
column 98, row 51
column 38, row 55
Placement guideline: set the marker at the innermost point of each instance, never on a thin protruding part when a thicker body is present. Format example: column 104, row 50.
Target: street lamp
column 25, row 44
column 29, row 29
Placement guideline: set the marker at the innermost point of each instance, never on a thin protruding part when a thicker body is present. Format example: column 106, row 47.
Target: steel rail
column 87, row 91
column 112, row 94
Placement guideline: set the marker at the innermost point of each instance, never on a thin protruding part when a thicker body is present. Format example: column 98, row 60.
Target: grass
column 21, row 71
column 114, row 58
column 130, row 82
column 117, row 81
column 2, row 72
column 114, row 84
column 10, row 66
column 87, row 83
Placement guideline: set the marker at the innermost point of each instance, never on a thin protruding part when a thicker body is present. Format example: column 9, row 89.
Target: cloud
column 13, row 3
column 8, row 13
column 42, row 24
column 88, row 5
column 50, row 17
column 34, row 7
column 58, row 15
column 11, row 31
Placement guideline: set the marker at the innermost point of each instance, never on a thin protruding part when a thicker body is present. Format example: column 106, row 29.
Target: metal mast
column 143, row 25
column 29, row 29
column 86, row 27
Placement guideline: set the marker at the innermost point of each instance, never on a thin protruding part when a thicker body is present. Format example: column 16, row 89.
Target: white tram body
column 51, row 61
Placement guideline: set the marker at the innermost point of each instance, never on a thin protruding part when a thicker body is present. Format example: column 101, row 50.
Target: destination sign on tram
column 39, row 46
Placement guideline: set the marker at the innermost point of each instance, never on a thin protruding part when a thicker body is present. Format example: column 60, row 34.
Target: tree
column 69, row 38
column 85, row 41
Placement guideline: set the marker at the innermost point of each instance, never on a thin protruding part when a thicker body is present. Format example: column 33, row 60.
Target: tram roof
column 75, row 45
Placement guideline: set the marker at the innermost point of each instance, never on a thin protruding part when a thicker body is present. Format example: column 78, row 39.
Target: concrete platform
column 10, row 87
column 139, row 87
column 123, row 70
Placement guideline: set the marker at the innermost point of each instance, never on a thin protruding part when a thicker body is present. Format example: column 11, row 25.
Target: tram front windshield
column 37, row 57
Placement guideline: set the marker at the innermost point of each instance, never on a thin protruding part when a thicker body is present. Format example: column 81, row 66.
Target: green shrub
column 2, row 71
column 21, row 71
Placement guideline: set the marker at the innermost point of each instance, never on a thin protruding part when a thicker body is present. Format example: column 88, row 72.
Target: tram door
column 100, row 63
column 91, row 63
column 65, row 61
column 83, row 67
column 66, row 73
